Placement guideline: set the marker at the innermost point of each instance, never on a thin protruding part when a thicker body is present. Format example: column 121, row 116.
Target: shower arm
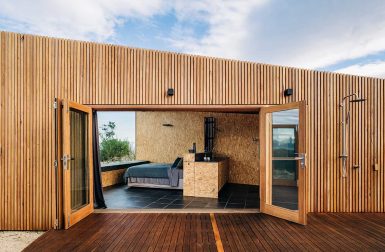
column 342, row 104
column 344, row 121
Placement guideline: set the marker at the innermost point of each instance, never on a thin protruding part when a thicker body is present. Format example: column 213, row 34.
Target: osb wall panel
column 114, row 177
column 235, row 138
column 157, row 143
column 34, row 70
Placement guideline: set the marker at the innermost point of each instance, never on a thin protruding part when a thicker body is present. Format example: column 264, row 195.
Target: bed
column 156, row 175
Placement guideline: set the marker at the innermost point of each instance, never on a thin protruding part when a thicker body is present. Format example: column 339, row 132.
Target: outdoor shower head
column 344, row 122
column 355, row 97
column 358, row 99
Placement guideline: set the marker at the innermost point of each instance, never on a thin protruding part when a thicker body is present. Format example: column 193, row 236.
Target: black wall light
column 288, row 92
column 170, row 92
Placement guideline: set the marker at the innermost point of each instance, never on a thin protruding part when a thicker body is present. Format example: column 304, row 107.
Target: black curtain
column 98, row 190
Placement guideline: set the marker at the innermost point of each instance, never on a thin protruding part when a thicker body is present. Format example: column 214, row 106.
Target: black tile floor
column 232, row 196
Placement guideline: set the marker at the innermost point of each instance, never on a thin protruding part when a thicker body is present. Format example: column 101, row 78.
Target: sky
column 346, row 36
column 125, row 124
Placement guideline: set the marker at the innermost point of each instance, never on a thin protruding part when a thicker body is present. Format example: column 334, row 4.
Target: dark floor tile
column 175, row 192
column 251, row 202
column 182, row 201
column 239, row 194
column 254, row 206
column 236, row 195
column 218, row 205
column 207, row 200
column 254, row 190
column 141, row 204
column 235, row 206
column 173, row 197
column 157, row 205
column 164, row 200
column 233, row 200
column 197, row 205
column 223, row 199
column 175, row 206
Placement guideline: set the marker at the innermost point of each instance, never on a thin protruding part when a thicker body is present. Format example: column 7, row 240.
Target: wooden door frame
column 71, row 218
column 300, row 215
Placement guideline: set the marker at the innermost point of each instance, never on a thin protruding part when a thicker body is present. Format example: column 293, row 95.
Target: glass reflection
column 284, row 149
column 79, row 159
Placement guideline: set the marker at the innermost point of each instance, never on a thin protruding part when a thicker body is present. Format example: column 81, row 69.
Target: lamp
column 170, row 92
column 288, row 92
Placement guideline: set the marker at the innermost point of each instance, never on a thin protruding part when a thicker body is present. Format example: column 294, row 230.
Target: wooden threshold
column 184, row 211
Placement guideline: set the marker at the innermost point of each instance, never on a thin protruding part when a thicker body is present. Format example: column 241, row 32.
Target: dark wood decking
column 238, row 232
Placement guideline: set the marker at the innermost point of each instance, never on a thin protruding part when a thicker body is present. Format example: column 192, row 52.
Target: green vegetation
column 113, row 149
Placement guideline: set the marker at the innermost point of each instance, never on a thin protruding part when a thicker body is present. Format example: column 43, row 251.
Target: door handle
column 302, row 159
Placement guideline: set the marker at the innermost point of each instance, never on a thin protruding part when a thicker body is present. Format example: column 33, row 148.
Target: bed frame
column 148, row 185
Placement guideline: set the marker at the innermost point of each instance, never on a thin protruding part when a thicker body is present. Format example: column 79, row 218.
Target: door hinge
column 56, row 224
column 55, row 164
column 55, row 104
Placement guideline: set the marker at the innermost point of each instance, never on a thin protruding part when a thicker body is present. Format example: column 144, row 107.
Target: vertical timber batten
column 34, row 70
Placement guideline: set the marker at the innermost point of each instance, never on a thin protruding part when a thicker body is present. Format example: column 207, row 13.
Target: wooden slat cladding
column 36, row 69
column 231, row 232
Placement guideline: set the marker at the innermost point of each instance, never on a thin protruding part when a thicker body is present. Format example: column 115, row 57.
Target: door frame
column 72, row 217
column 300, row 215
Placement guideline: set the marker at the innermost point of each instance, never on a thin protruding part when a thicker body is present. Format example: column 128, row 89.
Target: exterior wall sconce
column 288, row 92
column 170, row 92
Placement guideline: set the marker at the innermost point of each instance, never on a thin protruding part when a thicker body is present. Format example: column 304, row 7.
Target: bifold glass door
column 283, row 161
column 77, row 162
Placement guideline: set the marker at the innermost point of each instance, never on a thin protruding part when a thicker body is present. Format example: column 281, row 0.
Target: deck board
column 194, row 232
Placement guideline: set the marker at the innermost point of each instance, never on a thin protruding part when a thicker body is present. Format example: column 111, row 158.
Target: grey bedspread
column 174, row 174
column 151, row 170
column 155, row 170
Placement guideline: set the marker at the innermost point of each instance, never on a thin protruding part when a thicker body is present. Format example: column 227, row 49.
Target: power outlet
column 376, row 167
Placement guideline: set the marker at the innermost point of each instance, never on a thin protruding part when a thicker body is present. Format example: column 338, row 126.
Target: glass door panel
column 79, row 159
column 284, row 128
column 77, row 162
column 282, row 173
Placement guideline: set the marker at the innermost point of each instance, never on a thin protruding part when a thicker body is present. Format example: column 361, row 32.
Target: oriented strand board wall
column 114, row 177
column 34, row 70
column 235, row 137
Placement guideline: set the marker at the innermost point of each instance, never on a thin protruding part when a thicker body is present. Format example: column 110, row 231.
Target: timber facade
column 34, row 70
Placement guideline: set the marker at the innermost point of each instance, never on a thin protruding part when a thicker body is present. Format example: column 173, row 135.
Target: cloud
column 76, row 19
column 310, row 34
column 373, row 69
column 227, row 26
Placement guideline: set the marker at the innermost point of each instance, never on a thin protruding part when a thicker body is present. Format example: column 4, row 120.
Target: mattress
column 151, row 170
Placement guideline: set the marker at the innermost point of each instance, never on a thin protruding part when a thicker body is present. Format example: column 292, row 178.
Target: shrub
column 115, row 150
column 111, row 148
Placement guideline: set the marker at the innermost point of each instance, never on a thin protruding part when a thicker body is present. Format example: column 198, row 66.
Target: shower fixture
column 344, row 122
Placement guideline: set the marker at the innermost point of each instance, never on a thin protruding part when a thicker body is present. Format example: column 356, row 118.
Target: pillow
column 180, row 164
column 176, row 162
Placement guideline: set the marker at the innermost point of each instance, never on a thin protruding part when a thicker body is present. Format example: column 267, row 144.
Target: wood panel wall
column 234, row 138
column 34, row 70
